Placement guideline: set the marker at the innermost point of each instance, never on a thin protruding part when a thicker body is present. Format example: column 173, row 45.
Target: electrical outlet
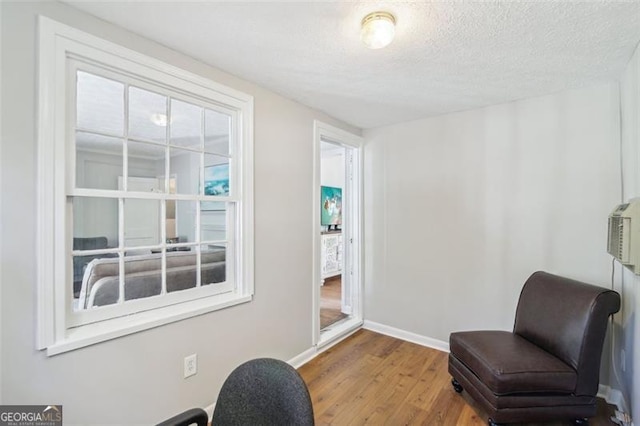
column 190, row 365
column 623, row 360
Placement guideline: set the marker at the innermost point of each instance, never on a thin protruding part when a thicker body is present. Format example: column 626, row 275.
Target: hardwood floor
column 330, row 296
column 374, row 379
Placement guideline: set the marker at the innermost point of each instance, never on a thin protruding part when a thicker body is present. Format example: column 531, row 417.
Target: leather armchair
column 548, row 368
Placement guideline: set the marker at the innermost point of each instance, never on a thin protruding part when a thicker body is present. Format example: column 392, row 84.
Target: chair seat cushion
column 507, row 363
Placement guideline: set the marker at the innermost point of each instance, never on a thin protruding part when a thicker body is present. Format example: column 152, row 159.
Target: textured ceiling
column 447, row 56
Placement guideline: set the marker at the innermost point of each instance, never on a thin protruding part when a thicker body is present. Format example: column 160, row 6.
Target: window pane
column 181, row 220
column 145, row 184
column 142, row 222
column 181, row 270
column 95, row 220
column 171, row 231
column 146, row 160
column 216, row 175
column 217, row 130
column 101, row 284
column 185, row 167
column 100, row 104
column 213, row 223
column 186, row 125
column 213, row 264
column 98, row 161
column 142, row 276
column 84, row 271
column 147, row 115
column 95, row 227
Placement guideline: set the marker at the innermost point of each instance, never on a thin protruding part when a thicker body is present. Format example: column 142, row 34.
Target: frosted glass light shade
column 378, row 29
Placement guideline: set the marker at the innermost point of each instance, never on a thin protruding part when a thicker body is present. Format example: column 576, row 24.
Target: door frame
column 354, row 144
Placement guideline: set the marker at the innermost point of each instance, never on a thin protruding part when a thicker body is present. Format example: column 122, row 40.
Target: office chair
column 262, row 391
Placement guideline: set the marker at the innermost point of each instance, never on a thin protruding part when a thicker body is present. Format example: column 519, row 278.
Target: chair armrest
column 189, row 417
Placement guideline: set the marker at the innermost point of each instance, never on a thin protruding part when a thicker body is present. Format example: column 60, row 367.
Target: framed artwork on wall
column 216, row 182
column 330, row 206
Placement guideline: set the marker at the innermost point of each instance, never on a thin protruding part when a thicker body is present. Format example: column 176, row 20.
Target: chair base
column 456, row 385
column 576, row 422
column 520, row 408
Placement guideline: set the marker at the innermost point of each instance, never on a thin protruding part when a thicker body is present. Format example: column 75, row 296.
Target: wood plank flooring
column 374, row 379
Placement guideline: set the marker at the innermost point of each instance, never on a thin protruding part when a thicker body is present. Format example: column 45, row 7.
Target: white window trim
column 56, row 41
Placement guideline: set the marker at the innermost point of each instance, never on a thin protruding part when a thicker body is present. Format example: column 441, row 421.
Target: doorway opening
column 337, row 231
column 334, row 306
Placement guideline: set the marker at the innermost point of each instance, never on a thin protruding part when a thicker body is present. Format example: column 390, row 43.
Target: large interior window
column 152, row 198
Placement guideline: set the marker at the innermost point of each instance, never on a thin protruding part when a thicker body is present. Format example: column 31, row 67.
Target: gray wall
column 628, row 330
column 462, row 208
column 138, row 378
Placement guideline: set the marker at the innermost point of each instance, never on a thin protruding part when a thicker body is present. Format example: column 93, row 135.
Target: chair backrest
column 568, row 319
column 263, row 391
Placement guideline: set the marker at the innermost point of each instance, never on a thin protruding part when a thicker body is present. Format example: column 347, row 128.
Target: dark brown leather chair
column 548, row 368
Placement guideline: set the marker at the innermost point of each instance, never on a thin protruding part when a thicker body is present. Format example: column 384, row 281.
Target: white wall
column 628, row 328
column 139, row 377
column 332, row 170
column 462, row 208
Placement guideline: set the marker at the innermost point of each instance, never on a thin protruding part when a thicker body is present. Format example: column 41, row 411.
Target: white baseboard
column 302, row 358
column 407, row 335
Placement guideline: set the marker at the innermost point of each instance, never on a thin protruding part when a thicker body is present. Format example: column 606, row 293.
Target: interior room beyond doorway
column 330, row 302
column 332, row 206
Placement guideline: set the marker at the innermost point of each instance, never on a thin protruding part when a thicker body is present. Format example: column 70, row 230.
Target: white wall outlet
column 623, row 360
column 190, row 365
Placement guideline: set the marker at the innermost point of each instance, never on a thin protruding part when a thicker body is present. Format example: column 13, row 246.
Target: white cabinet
column 331, row 254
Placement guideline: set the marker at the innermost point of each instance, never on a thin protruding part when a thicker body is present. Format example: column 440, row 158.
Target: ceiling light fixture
column 378, row 29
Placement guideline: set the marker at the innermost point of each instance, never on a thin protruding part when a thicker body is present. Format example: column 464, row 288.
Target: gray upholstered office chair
column 262, row 391
column 195, row 416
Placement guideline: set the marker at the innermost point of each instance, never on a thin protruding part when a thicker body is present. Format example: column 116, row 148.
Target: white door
column 141, row 217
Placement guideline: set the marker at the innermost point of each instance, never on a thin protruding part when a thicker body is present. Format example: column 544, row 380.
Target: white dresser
column 331, row 254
